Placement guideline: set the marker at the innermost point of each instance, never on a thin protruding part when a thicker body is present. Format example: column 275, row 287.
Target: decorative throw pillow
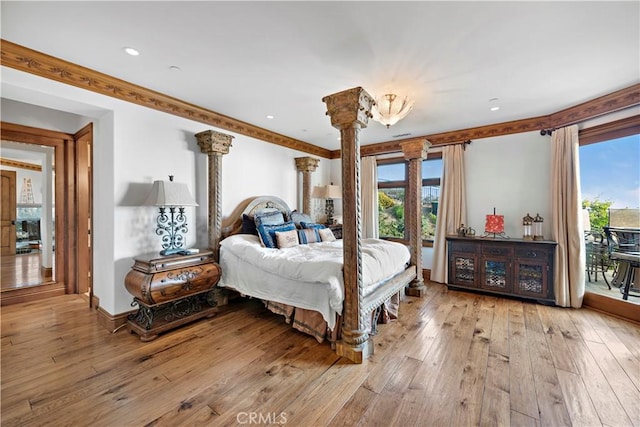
column 308, row 235
column 299, row 217
column 327, row 235
column 287, row 239
column 248, row 225
column 311, row 225
column 269, row 218
column 267, row 233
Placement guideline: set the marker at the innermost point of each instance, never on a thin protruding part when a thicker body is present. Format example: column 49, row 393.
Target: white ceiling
column 248, row 60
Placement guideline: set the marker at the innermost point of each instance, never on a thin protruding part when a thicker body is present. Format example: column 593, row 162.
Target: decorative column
column 350, row 111
column 414, row 152
column 215, row 145
column 306, row 165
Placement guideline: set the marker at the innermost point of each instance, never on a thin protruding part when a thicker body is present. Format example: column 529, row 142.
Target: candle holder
column 537, row 227
column 527, row 224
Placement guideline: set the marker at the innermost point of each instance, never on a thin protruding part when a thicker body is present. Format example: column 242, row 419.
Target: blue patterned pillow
column 267, row 232
column 269, row 218
column 308, row 235
column 299, row 217
column 311, row 225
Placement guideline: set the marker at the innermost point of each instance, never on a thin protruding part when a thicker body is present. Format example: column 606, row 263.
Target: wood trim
column 612, row 102
column 614, row 307
column 43, row 134
column 20, row 165
column 615, row 101
column 64, row 231
column 31, row 293
column 112, row 322
column 611, row 130
column 83, row 206
column 30, row 61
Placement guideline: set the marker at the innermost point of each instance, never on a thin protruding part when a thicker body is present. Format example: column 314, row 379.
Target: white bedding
column 306, row 276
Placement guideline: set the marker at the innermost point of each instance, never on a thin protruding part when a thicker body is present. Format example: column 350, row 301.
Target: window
column 609, row 180
column 392, row 185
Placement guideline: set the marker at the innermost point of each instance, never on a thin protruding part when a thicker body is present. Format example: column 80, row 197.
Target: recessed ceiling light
column 131, row 51
column 174, row 68
column 495, row 107
column 269, row 117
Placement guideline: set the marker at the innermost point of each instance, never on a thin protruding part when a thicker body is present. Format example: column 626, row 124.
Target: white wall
column 133, row 146
column 511, row 174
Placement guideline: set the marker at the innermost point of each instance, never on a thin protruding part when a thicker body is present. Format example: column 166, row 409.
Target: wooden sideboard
column 171, row 291
column 514, row 267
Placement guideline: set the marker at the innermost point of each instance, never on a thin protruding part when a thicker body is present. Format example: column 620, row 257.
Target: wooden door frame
column 70, row 197
column 12, row 177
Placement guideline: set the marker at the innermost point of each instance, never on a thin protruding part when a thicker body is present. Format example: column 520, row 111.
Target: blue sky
column 610, row 171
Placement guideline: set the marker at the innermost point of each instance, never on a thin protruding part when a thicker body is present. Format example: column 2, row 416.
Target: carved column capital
column 211, row 141
column 348, row 107
column 415, row 148
column 306, row 164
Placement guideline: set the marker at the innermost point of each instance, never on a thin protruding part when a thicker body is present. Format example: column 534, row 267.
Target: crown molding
column 20, row 165
column 30, row 61
column 43, row 65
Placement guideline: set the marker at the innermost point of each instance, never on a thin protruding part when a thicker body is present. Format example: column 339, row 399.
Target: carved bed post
column 306, row 165
column 350, row 111
column 414, row 152
column 215, row 145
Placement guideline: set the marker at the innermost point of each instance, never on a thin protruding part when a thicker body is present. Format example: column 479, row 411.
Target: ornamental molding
column 43, row 65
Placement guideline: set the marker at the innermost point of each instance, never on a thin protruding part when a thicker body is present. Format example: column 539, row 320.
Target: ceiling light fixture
column 269, row 117
column 131, row 51
column 495, row 107
column 390, row 109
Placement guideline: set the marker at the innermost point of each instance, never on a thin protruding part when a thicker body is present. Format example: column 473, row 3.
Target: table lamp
column 171, row 226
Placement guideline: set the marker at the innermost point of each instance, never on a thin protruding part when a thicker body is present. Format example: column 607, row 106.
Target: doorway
column 52, row 255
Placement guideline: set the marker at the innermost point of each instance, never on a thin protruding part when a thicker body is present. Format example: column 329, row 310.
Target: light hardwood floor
column 453, row 359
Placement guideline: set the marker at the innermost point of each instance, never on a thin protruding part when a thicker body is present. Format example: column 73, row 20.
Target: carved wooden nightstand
column 171, row 291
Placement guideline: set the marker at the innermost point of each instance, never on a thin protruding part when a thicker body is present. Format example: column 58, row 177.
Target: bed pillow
column 269, row 218
column 326, row 235
column 311, row 225
column 248, row 225
column 308, row 235
column 299, row 217
column 267, row 233
column 287, row 239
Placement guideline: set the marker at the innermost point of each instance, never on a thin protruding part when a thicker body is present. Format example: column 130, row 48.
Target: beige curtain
column 566, row 221
column 369, row 197
column 452, row 210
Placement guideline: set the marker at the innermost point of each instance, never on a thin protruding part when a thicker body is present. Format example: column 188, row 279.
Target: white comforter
column 307, row 276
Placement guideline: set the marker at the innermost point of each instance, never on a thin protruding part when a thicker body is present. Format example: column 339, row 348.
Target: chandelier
column 390, row 109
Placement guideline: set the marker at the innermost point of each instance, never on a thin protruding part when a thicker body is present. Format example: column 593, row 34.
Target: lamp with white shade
column 327, row 192
column 171, row 226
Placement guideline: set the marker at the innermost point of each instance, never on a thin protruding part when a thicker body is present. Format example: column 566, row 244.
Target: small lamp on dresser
column 172, row 225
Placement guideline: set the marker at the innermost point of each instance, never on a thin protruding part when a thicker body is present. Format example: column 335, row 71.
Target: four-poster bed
column 349, row 111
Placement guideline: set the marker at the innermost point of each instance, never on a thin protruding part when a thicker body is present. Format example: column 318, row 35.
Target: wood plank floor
column 453, row 359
